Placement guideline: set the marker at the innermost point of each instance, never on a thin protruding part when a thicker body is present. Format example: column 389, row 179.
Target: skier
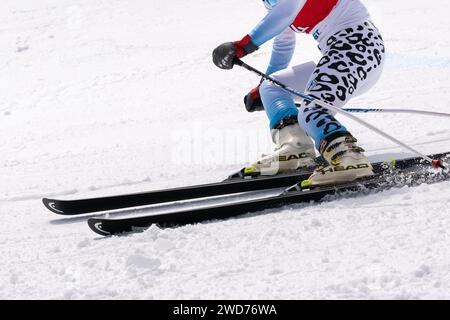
column 353, row 58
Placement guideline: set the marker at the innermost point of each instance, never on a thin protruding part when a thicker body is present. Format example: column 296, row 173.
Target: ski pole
column 370, row 110
column 434, row 162
column 377, row 110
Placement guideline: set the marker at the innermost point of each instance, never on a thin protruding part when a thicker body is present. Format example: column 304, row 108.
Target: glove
column 224, row 55
column 253, row 101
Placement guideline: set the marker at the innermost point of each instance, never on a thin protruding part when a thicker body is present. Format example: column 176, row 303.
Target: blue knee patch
column 278, row 103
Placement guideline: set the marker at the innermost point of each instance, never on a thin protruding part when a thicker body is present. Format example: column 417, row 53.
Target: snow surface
column 116, row 96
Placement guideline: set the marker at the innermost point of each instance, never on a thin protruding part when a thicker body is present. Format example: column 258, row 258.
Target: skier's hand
column 224, row 55
column 253, row 101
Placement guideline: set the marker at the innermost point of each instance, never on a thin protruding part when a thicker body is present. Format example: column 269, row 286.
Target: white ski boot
column 346, row 164
column 294, row 150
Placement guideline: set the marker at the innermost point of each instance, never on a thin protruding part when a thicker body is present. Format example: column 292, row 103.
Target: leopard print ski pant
column 352, row 63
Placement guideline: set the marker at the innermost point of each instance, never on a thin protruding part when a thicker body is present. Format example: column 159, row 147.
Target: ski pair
column 385, row 177
column 408, row 172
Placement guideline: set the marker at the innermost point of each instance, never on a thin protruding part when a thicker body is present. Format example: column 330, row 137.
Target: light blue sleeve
column 276, row 21
column 282, row 51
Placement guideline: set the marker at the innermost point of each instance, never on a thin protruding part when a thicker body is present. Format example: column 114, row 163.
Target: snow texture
column 117, row 96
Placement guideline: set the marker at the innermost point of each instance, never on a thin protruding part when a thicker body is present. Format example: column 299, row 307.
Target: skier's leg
column 294, row 149
column 351, row 65
column 279, row 103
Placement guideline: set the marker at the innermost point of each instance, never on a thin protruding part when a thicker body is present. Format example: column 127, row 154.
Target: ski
column 236, row 183
column 229, row 186
column 405, row 172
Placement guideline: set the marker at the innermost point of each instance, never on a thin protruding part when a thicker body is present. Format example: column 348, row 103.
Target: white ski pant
column 352, row 63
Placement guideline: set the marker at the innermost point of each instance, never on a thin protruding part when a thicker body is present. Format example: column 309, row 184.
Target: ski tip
column 96, row 225
column 52, row 205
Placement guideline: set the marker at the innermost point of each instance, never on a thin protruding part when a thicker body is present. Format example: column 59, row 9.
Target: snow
column 105, row 97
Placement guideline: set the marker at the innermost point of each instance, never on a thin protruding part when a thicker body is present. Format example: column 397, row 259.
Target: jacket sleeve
column 276, row 21
column 282, row 51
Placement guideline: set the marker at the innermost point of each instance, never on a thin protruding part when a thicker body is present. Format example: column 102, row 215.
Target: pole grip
column 238, row 61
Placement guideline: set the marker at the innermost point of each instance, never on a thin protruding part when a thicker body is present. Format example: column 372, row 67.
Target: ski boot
column 346, row 163
column 294, row 150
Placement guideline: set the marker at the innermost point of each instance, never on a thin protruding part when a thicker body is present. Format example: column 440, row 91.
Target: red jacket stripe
column 312, row 13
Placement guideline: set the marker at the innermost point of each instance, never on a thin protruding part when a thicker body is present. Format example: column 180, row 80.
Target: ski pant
column 352, row 63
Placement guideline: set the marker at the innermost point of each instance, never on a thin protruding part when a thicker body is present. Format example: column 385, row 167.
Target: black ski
column 235, row 185
column 406, row 172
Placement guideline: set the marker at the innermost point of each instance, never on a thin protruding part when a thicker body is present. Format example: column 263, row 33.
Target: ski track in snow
column 104, row 97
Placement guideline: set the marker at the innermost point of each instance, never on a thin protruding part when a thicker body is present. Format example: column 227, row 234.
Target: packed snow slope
column 117, row 96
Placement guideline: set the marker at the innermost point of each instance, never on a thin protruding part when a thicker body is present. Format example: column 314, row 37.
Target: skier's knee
column 307, row 110
column 265, row 86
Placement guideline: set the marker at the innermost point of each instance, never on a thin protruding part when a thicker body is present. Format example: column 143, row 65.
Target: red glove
column 253, row 101
column 224, row 55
